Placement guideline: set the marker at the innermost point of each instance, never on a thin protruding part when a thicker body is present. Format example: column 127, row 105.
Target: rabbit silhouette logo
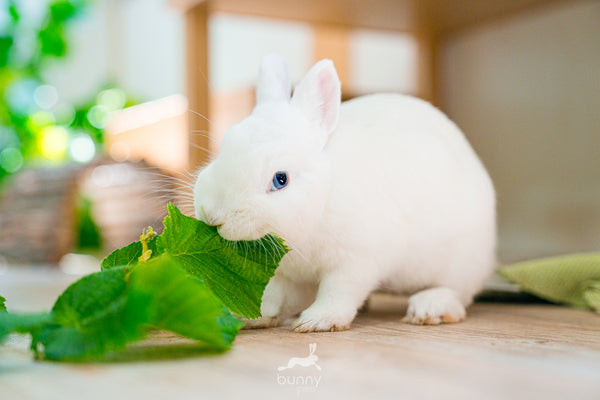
column 310, row 360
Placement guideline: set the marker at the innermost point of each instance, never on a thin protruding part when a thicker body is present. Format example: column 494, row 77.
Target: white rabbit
column 310, row 360
column 382, row 191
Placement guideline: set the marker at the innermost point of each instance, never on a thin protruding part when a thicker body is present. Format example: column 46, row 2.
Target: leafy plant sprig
column 185, row 280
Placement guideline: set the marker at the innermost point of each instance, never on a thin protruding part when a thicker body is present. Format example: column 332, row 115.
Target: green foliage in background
column 36, row 124
column 185, row 280
column 88, row 233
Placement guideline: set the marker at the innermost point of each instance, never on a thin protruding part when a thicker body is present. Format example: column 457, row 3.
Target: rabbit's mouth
column 239, row 231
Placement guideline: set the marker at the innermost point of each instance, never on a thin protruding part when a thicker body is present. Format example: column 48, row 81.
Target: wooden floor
column 500, row 351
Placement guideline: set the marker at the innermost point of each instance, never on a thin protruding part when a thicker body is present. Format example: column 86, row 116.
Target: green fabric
column 571, row 279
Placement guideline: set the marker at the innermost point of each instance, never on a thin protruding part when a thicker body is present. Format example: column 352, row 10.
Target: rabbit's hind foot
column 433, row 307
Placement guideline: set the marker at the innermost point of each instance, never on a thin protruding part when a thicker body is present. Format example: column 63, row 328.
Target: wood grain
column 500, row 351
column 197, row 84
column 439, row 16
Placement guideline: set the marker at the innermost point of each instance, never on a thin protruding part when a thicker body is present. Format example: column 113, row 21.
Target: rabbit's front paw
column 433, row 307
column 315, row 320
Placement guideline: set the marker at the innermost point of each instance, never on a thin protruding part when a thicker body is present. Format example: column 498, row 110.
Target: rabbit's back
column 408, row 187
column 386, row 127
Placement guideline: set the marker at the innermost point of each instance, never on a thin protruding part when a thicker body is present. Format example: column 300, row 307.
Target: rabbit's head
column 271, row 174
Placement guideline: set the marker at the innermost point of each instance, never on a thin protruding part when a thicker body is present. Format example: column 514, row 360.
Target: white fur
column 384, row 191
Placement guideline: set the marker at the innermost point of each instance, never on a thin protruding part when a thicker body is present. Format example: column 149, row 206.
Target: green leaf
column 6, row 43
column 564, row 279
column 52, row 40
column 2, row 304
column 103, row 312
column 21, row 323
column 180, row 303
column 62, row 10
column 237, row 272
column 127, row 255
column 90, row 318
column 13, row 11
column 89, row 299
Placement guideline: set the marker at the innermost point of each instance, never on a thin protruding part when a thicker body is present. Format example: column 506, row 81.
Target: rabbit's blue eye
column 280, row 180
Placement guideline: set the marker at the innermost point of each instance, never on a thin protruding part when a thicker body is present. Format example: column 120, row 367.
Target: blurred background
column 108, row 107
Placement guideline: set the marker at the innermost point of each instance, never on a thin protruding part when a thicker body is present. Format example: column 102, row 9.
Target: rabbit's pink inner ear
column 328, row 86
column 318, row 96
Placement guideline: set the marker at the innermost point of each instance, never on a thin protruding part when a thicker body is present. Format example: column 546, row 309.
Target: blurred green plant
column 35, row 125
column 88, row 233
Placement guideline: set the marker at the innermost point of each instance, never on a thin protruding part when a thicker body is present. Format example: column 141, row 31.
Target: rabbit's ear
column 319, row 95
column 312, row 347
column 273, row 80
